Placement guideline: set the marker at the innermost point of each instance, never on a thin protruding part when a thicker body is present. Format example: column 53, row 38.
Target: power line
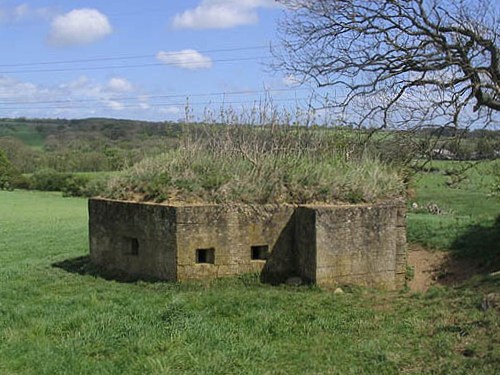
column 142, row 100
column 169, row 96
column 154, row 105
column 193, row 64
column 131, row 57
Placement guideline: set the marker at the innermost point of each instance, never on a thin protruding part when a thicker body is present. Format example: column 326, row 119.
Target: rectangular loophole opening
column 260, row 252
column 131, row 246
column 205, row 256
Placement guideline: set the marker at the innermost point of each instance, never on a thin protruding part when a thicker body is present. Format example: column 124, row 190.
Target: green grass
column 469, row 226
column 27, row 134
column 57, row 322
column 469, row 197
column 465, row 205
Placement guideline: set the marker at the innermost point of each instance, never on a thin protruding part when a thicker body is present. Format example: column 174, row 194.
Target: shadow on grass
column 475, row 252
column 83, row 266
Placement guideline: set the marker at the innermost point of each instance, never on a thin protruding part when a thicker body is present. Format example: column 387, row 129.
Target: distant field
column 467, row 208
column 55, row 320
column 25, row 133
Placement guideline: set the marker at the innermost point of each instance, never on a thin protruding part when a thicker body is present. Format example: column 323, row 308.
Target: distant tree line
column 47, row 154
column 88, row 145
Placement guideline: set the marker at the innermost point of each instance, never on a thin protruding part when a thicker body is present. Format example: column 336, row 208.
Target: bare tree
column 397, row 63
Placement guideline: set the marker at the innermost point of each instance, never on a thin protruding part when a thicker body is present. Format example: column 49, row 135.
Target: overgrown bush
column 23, row 158
column 260, row 165
column 9, row 176
column 83, row 186
column 75, row 186
column 49, row 180
column 495, row 171
column 69, row 184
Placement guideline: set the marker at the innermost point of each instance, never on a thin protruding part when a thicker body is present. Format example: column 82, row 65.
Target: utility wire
column 131, row 57
column 70, row 103
column 154, row 105
column 193, row 64
column 170, row 96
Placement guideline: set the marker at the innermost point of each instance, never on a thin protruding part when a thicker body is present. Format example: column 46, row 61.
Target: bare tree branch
column 398, row 63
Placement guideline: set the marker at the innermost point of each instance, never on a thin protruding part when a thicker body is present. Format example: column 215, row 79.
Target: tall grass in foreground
column 248, row 164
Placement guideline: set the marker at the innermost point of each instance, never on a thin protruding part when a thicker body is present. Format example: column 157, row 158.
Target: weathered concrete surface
column 169, row 236
column 114, row 225
column 327, row 245
column 231, row 231
column 362, row 245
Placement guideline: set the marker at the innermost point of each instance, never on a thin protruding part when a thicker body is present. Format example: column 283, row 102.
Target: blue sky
column 130, row 59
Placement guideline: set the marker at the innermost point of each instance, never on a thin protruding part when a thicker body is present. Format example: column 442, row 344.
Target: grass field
column 24, row 133
column 469, row 224
column 54, row 320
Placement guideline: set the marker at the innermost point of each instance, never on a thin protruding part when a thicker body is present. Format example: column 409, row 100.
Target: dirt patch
column 439, row 267
column 426, row 266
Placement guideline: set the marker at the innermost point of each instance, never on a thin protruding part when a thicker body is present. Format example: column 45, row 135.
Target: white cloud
column 80, row 98
column 170, row 110
column 143, row 102
column 291, row 80
column 80, row 26
column 84, row 87
column 114, row 105
column 81, row 87
column 187, row 59
column 117, row 84
column 15, row 90
column 221, row 14
column 24, row 12
column 80, row 95
column 21, row 11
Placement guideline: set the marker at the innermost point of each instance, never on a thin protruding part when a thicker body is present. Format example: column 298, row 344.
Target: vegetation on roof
column 243, row 164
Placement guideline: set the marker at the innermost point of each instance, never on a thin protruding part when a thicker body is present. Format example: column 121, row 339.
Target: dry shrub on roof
column 244, row 164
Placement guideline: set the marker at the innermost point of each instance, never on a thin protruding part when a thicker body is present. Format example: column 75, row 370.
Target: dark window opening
column 206, row 256
column 260, row 252
column 131, row 246
column 134, row 246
